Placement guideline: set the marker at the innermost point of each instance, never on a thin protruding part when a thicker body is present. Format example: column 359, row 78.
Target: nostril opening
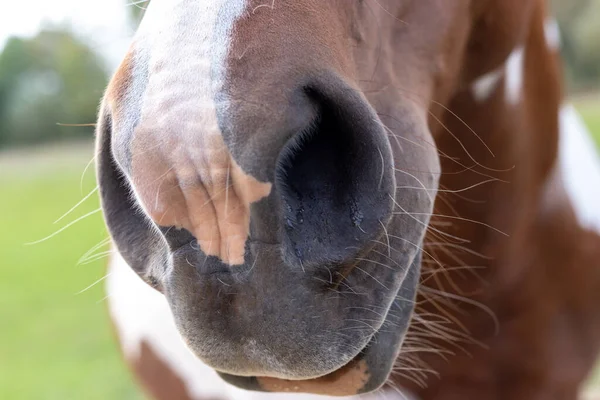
column 335, row 182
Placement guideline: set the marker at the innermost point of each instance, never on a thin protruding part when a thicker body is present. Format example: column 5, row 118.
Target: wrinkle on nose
column 200, row 188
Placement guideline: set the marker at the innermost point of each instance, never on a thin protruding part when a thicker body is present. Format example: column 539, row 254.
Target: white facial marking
column 552, row 33
column 514, row 75
column 141, row 314
column 182, row 172
column 580, row 168
column 485, row 86
column 186, row 43
column 180, row 47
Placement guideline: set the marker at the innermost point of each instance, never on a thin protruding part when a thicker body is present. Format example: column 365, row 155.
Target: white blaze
column 187, row 43
column 183, row 45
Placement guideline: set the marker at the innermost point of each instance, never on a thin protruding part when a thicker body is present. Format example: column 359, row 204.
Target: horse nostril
column 336, row 180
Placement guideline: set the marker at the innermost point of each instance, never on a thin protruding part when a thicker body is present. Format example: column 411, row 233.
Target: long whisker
column 447, row 190
column 418, row 181
column 102, row 243
column 460, row 143
column 64, row 227
column 467, row 301
column 93, row 284
column 368, row 274
column 97, row 257
column 88, row 165
column 462, row 121
column 456, row 218
column 459, row 247
column 80, row 202
column 429, row 227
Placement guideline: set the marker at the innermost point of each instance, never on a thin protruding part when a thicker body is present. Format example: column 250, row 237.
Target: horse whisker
column 64, row 228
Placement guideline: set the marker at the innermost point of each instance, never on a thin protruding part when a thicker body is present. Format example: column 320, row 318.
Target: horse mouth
column 367, row 371
column 348, row 380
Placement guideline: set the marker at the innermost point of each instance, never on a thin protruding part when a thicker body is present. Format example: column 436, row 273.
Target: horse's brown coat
column 158, row 379
column 542, row 282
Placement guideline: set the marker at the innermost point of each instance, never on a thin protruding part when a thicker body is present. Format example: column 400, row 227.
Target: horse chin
column 366, row 372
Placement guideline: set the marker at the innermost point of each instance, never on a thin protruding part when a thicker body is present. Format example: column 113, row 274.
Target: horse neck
column 498, row 155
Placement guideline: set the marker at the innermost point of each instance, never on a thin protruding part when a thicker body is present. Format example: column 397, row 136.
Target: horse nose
column 323, row 155
column 290, row 182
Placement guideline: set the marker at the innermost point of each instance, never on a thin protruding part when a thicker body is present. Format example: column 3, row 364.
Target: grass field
column 55, row 342
column 589, row 108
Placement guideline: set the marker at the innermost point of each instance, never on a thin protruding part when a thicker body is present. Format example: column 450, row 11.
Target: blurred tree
column 49, row 79
column 580, row 30
column 586, row 34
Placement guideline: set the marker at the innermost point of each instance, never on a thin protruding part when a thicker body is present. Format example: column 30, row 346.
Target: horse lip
column 347, row 380
column 330, row 376
column 367, row 371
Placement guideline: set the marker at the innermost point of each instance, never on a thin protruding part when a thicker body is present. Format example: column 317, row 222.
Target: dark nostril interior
column 335, row 181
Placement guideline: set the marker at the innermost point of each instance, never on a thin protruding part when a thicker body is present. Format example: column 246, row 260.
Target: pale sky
column 102, row 23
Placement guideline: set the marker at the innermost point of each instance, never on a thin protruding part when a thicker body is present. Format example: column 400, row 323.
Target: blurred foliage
column 46, row 80
column 579, row 22
column 56, row 78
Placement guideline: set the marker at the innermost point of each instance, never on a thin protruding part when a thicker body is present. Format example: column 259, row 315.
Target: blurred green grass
column 54, row 342
column 589, row 108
